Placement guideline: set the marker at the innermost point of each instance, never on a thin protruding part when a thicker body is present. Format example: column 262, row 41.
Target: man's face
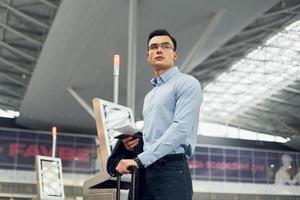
column 160, row 52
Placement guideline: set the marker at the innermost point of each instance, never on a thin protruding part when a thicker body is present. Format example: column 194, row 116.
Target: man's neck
column 158, row 72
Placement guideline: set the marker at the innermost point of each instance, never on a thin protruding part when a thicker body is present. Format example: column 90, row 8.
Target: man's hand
column 130, row 144
column 123, row 165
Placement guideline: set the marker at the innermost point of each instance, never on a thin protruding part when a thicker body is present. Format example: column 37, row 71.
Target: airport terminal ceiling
column 49, row 49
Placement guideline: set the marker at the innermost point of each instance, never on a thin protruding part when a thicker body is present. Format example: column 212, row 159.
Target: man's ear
column 147, row 56
column 175, row 55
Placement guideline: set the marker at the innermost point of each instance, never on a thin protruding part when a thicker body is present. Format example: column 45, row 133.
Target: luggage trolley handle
column 118, row 186
column 132, row 170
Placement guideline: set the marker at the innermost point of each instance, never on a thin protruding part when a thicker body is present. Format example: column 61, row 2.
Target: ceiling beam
column 263, row 26
column 244, row 121
column 273, row 121
column 81, row 101
column 280, row 119
column 252, row 121
column 220, row 58
column 5, row 106
column 216, row 118
column 11, row 92
column 271, row 127
column 213, row 61
column 227, row 54
column 25, row 16
column 279, row 114
column 17, row 51
column 28, row 31
column 10, row 100
column 290, row 116
column 14, row 80
column 10, row 84
column 19, row 61
column 240, row 123
column 282, row 101
column 213, row 67
column 22, row 35
column 28, row 47
column 249, row 124
column 292, row 90
column 280, row 11
column 187, row 65
column 15, row 66
column 49, row 4
column 263, row 61
column 292, row 113
column 13, row 102
column 290, row 48
column 233, row 45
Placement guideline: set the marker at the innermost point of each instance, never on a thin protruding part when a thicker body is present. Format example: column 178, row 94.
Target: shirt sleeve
column 186, row 118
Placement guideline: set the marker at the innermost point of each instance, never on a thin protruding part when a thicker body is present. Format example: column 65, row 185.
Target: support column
column 81, row 101
column 132, row 54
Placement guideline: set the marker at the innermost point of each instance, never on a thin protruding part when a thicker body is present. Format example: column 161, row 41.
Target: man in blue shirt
column 171, row 115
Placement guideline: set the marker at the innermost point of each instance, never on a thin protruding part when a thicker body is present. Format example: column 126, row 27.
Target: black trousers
column 166, row 180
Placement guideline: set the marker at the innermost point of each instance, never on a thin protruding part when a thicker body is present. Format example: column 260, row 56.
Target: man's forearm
column 172, row 139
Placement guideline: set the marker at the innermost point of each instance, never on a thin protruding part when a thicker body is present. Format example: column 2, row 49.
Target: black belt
column 170, row 157
column 174, row 157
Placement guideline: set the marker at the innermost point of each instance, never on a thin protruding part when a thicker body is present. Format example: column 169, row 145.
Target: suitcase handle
column 118, row 186
column 132, row 170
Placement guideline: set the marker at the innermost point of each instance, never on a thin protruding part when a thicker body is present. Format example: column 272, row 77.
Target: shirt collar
column 156, row 81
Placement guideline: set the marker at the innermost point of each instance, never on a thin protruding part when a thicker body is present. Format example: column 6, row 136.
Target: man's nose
column 159, row 51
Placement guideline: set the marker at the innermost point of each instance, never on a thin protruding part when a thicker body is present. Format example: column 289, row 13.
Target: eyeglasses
column 164, row 45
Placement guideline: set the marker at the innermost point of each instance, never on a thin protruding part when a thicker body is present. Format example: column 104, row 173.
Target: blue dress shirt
column 171, row 116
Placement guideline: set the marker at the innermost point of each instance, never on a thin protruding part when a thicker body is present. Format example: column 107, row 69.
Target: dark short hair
column 160, row 32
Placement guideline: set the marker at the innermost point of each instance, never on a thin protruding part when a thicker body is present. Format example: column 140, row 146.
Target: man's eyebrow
column 161, row 43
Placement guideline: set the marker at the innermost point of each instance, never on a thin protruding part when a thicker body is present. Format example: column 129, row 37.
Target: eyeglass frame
column 161, row 46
